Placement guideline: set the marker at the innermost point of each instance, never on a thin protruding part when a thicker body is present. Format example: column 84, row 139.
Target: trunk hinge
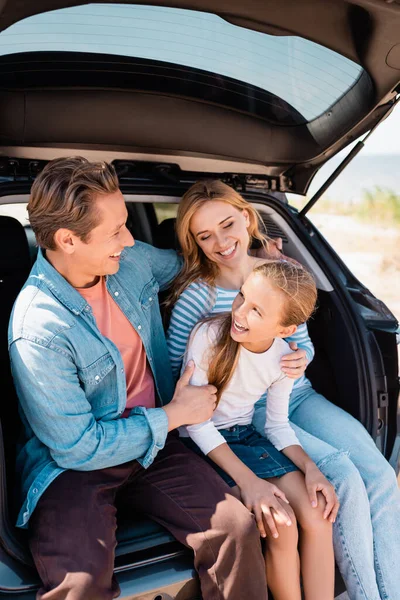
column 352, row 154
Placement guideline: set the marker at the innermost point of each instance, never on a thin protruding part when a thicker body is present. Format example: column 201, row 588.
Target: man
column 97, row 401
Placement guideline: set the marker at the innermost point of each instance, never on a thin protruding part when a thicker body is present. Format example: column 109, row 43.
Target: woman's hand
column 274, row 250
column 264, row 500
column 317, row 482
column 294, row 364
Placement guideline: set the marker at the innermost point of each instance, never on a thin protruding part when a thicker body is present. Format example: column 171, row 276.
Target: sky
column 386, row 139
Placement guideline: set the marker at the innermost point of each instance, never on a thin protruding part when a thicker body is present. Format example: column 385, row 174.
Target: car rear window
column 307, row 76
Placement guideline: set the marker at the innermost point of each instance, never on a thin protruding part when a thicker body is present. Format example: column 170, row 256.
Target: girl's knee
column 311, row 519
column 288, row 534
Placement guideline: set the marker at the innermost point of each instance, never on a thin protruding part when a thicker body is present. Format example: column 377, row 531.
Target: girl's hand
column 317, row 482
column 264, row 500
column 294, row 364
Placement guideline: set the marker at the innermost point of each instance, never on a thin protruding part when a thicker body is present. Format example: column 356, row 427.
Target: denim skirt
column 254, row 450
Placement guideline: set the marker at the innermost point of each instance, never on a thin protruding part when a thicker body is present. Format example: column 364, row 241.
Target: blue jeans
column 366, row 534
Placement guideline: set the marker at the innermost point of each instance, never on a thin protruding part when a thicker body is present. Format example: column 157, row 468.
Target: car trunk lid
column 277, row 92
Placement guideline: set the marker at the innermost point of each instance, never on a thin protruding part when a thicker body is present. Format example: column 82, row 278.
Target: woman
column 216, row 227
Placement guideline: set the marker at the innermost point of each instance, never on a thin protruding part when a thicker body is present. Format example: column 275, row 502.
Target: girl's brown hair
column 300, row 294
column 196, row 265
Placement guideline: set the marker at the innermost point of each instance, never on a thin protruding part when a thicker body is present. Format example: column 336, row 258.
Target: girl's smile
column 257, row 314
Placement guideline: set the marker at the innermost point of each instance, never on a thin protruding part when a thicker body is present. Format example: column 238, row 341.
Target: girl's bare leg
column 316, row 546
column 282, row 561
column 281, row 557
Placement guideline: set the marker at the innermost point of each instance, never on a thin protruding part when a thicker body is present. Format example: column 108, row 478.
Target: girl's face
column 220, row 230
column 257, row 314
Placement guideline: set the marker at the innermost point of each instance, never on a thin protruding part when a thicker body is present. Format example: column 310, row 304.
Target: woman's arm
column 192, row 305
column 302, row 338
column 295, row 364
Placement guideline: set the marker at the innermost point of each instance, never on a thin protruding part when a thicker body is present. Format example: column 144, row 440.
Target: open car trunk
column 347, row 352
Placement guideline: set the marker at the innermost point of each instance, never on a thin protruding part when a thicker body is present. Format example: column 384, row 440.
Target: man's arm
column 165, row 264
column 60, row 415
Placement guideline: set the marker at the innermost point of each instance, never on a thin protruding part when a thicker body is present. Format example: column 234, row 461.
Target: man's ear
column 285, row 332
column 65, row 240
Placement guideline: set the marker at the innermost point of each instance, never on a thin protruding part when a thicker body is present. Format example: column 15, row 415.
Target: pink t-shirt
column 114, row 325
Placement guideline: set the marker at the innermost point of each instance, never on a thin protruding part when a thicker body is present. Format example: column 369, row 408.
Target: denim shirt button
column 139, row 327
column 116, row 293
column 150, row 299
column 122, row 370
column 35, row 491
column 97, row 377
column 87, row 308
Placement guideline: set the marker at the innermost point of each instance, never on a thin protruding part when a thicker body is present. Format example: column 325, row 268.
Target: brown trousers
column 72, row 530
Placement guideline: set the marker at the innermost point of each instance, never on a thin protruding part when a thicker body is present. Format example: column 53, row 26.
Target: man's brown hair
column 63, row 196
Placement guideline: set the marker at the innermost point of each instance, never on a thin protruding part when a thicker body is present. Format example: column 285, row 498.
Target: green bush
column 378, row 205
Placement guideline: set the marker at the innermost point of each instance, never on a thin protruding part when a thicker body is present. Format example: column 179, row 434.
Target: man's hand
column 268, row 504
column 294, row 365
column 191, row 404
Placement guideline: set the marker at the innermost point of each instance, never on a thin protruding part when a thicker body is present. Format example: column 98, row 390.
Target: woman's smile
column 229, row 252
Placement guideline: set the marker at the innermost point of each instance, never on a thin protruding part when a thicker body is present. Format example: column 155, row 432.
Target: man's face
column 100, row 254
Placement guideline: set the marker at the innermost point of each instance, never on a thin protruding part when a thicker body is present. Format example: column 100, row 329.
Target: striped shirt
column 199, row 300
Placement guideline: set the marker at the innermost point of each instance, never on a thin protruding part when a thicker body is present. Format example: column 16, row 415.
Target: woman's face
column 257, row 314
column 220, row 230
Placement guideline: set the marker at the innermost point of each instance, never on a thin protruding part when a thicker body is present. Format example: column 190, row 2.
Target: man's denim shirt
column 70, row 379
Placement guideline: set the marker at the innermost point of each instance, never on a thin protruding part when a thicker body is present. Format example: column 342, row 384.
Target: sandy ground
column 370, row 251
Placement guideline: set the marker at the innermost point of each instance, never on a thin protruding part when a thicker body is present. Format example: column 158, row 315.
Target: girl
column 216, row 227
column 239, row 353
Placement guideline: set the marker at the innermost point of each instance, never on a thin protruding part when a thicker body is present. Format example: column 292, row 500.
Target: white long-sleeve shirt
column 253, row 375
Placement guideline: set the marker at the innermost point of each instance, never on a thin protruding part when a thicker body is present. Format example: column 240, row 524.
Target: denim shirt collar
column 59, row 286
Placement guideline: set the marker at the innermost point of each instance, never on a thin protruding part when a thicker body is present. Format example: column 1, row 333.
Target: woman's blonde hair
column 196, row 265
column 300, row 296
